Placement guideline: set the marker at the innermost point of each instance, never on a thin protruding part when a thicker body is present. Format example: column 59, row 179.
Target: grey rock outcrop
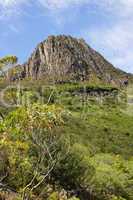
column 64, row 58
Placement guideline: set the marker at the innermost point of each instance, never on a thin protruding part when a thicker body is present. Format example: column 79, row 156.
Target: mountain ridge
column 64, row 58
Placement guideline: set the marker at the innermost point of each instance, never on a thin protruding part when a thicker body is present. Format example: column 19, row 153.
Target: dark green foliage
column 89, row 138
column 74, row 171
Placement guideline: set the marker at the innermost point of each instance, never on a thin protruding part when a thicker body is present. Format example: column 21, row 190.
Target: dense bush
column 45, row 146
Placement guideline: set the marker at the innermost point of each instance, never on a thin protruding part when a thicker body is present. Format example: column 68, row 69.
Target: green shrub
column 54, row 196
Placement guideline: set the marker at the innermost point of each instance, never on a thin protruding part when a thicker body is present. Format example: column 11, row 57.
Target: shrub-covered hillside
column 69, row 141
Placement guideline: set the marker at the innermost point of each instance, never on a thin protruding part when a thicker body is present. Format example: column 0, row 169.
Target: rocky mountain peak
column 64, row 58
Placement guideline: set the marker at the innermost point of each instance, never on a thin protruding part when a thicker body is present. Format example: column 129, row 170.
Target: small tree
column 6, row 63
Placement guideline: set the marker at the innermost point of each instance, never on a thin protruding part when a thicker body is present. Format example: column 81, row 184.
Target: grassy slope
column 100, row 125
column 105, row 130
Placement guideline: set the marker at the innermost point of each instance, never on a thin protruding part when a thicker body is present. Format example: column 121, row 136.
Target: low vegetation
column 68, row 141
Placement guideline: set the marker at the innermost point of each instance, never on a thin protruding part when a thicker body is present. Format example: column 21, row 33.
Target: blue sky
column 106, row 25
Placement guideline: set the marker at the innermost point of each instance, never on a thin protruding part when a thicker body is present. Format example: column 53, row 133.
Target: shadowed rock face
column 64, row 58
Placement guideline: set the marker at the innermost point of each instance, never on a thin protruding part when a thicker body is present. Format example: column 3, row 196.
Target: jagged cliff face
column 64, row 58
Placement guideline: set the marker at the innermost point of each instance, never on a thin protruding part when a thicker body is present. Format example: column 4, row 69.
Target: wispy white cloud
column 116, row 41
column 117, row 37
column 11, row 3
column 49, row 4
column 61, row 4
column 9, row 8
column 121, row 7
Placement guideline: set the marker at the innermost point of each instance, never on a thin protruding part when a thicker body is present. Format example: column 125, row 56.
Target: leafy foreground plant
column 29, row 146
